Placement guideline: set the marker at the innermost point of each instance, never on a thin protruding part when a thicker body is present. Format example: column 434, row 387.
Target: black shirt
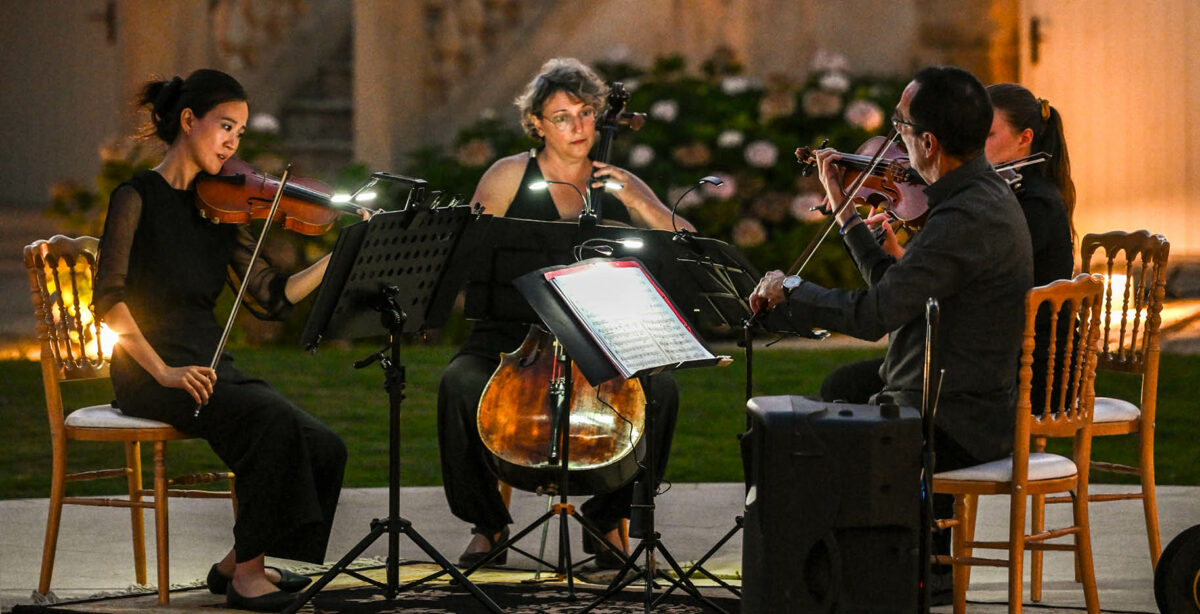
column 974, row 256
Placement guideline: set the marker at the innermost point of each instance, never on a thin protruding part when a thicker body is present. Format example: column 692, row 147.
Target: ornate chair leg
column 133, row 465
column 959, row 552
column 58, row 478
column 160, row 522
column 1083, row 554
column 1016, row 551
column 1149, row 496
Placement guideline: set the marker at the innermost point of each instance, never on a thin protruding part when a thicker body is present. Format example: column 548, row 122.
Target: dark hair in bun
column 200, row 92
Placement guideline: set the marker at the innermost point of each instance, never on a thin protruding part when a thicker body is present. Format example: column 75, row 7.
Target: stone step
column 334, row 80
column 324, row 119
column 321, row 158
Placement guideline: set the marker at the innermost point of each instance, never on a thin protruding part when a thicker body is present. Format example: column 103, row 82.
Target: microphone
column 711, row 180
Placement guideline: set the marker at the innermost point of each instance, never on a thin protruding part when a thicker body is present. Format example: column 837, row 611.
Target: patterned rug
column 509, row 588
column 518, row 599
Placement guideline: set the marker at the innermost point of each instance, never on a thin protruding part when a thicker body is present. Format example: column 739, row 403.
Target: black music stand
column 597, row 351
column 389, row 275
column 504, row 250
column 723, row 280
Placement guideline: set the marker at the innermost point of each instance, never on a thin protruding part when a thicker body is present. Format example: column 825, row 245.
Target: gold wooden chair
column 1037, row 473
column 1135, row 266
column 76, row 346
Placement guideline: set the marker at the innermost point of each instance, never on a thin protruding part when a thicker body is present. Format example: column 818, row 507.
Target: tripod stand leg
column 684, row 582
column 407, row 529
column 537, row 577
column 699, row 564
column 377, row 528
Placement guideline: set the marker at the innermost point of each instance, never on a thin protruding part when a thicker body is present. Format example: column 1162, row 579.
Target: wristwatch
column 790, row 283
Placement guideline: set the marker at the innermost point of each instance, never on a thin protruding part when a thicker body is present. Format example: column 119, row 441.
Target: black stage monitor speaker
column 832, row 507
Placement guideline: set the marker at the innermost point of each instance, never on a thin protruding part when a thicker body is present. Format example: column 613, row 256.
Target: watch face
column 791, row 282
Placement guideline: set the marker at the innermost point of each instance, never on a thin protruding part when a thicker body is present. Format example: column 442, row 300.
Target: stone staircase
column 317, row 121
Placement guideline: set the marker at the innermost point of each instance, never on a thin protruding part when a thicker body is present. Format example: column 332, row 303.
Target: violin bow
column 811, row 248
column 237, row 302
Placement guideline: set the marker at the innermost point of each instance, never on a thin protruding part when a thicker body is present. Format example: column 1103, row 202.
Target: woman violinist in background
column 559, row 107
column 161, row 268
column 1022, row 125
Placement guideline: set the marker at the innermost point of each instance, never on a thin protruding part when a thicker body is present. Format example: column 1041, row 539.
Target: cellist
column 559, row 107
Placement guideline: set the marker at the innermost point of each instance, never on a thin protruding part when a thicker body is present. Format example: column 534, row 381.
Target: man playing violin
column 559, row 108
column 973, row 255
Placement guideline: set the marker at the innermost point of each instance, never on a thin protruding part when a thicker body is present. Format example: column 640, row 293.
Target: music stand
column 575, row 303
column 389, row 276
column 504, row 250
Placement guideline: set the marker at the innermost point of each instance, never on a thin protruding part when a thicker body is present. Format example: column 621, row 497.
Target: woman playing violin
column 559, row 107
column 161, row 268
column 1022, row 124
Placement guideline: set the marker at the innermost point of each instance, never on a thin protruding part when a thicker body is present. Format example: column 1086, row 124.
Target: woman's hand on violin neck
column 768, row 293
column 195, row 380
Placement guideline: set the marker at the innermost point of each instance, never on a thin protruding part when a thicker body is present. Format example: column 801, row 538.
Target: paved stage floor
column 95, row 554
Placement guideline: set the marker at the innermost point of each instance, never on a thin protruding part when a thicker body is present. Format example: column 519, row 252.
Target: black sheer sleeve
column 124, row 213
column 265, row 297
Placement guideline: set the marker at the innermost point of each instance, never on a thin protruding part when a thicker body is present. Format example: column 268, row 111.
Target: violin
column 517, row 424
column 893, row 185
column 241, row 193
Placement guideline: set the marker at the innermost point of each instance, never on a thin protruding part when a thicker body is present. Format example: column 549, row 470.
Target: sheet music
column 628, row 316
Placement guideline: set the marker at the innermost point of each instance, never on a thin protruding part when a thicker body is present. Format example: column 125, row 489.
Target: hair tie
column 1045, row 105
column 168, row 93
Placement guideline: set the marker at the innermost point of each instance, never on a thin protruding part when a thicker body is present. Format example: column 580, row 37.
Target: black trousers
column 288, row 464
column 854, row 382
column 471, row 486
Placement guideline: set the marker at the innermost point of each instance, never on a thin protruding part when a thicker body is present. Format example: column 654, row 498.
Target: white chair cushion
column 109, row 417
column 1109, row 409
column 1042, row 466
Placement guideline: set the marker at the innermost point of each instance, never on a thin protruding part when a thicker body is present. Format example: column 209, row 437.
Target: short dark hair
column 200, row 92
column 952, row 104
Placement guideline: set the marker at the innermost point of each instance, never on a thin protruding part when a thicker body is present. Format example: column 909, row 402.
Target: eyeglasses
column 896, row 122
column 565, row 121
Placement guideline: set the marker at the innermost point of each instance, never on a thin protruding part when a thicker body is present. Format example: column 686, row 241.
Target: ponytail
column 1023, row 111
column 200, row 92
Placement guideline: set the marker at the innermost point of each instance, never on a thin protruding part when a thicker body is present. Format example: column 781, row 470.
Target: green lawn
column 354, row 403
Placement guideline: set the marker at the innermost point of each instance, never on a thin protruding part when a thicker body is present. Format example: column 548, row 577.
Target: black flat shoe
column 270, row 602
column 469, row 559
column 605, row 558
column 288, row 581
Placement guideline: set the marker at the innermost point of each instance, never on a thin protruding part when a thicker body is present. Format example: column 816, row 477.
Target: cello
column 520, row 415
column 519, row 422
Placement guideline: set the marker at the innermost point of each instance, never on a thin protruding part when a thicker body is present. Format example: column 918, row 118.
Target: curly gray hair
column 566, row 75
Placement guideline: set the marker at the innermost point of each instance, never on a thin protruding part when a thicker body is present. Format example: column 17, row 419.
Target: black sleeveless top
column 489, row 339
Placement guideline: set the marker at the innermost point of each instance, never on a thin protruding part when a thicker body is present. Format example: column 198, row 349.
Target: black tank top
column 489, row 339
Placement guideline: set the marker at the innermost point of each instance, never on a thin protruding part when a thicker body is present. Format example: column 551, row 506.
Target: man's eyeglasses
column 896, row 122
column 565, row 121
